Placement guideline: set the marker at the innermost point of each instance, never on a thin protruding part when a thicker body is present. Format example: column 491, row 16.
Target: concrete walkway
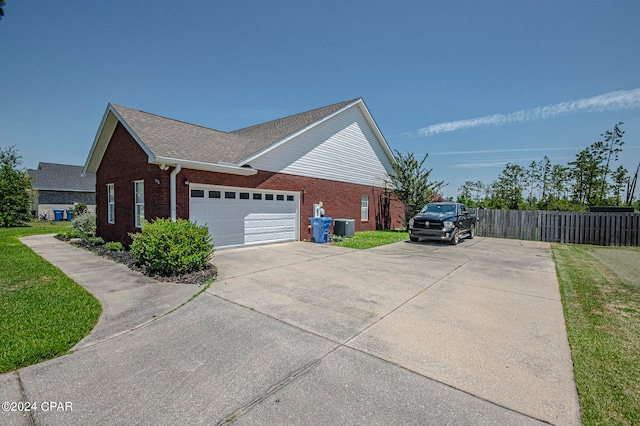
column 300, row 333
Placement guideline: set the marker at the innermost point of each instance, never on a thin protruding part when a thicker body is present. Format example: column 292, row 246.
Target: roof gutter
column 197, row 165
column 172, row 190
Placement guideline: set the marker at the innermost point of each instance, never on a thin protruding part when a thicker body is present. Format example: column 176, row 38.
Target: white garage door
column 242, row 216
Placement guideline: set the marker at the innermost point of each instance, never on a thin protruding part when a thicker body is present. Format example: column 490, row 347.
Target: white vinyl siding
column 342, row 148
column 111, row 203
column 138, row 188
column 364, row 209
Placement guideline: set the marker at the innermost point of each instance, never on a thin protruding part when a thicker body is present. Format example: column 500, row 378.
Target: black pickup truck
column 443, row 222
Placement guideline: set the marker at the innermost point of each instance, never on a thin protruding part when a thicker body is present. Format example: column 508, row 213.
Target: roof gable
column 344, row 147
column 61, row 177
column 168, row 141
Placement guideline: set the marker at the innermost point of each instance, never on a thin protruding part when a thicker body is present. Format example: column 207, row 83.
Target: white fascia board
column 89, row 165
column 377, row 132
column 108, row 125
column 209, row 167
column 247, row 160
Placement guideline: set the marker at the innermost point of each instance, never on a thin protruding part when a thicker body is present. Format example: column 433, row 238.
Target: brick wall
column 125, row 162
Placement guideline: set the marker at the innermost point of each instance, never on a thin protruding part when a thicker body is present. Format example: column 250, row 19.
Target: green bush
column 96, row 241
column 114, row 246
column 85, row 224
column 79, row 209
column 170, row 248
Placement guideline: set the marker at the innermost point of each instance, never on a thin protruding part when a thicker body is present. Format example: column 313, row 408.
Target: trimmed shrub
column 114, row 245
column 85, row 224
column 170, row 248
column 96, row 241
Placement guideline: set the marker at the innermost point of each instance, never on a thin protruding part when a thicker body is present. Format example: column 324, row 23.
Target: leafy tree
column 587, row 171
column 508, row 188
column 1, row 8
column 620, row 179
column 15, row 204
column 557, row 181
column 613, row 147
column 533, row 179
column 544, row 167
column 470, row 193
column 410, row 183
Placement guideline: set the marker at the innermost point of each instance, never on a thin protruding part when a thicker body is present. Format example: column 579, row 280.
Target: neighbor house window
column 111, row 204
column 364, row 209
column 138, row 188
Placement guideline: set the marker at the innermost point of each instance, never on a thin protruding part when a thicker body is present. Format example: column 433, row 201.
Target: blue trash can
column 320, row 226
column 58, row 214
column 327, row 224
column 69, row 214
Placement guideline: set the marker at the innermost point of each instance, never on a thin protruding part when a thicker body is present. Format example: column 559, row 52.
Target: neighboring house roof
column 171, row 142
column 61, row 177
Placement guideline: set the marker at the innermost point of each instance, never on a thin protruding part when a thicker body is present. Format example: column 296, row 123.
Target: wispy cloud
column 506, row 150
column 612, row 101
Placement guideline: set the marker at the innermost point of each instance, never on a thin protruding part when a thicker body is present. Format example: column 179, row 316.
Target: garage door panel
column 247, row 221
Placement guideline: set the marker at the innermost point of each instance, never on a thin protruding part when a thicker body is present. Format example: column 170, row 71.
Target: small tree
column 15, row 204
column 410, row 183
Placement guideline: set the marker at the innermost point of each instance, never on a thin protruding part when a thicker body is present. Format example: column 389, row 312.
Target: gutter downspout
column 172, row 190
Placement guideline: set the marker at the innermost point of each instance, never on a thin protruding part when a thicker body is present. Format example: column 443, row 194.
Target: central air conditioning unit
column 344, row 227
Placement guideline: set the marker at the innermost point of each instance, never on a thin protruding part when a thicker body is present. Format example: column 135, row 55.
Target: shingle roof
column 168, row 138
column 61, row 177
column 273, row 131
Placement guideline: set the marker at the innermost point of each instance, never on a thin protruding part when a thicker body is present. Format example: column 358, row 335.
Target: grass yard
column 369, row 239
column 43, row 313
column 600, row 289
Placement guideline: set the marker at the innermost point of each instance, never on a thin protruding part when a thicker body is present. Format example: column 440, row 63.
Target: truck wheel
column 414, row 239
column 472, row 232
column 455, row 237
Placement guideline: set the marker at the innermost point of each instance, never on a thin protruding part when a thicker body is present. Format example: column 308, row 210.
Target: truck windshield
column 439, row 208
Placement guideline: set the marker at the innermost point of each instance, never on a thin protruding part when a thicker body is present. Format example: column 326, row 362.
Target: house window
column 364, row 209
column 244, row 195
column 197, row 193
column 111, row 204
column 214, row 194
column 280, row 197
column 138, row 187
column 257, row 196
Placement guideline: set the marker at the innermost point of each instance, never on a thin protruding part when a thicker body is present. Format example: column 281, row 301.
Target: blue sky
column 476, row 84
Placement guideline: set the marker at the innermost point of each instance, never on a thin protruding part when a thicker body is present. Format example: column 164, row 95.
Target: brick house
column 250, row 186
column 60, row 186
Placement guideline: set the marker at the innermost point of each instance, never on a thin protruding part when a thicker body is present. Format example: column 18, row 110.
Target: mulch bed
column 125, row 257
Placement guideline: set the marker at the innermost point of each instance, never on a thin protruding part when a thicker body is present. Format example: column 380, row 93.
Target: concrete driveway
column 300, row 333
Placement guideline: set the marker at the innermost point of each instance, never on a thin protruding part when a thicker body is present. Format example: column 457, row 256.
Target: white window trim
column 364, row 208
column 137, row 219
column 111, row 203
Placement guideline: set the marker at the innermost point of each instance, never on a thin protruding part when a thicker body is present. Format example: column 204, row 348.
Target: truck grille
column 431, row 224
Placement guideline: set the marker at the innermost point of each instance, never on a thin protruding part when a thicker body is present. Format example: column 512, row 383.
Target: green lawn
column 600, row 289
column 365, row 240
column 43, row 313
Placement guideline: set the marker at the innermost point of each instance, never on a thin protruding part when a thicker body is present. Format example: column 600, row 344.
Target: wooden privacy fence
column 606, row 229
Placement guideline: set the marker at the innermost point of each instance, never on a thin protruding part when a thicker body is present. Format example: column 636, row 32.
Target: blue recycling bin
column 69, row 214
column 58, row 214
column 320, row 226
